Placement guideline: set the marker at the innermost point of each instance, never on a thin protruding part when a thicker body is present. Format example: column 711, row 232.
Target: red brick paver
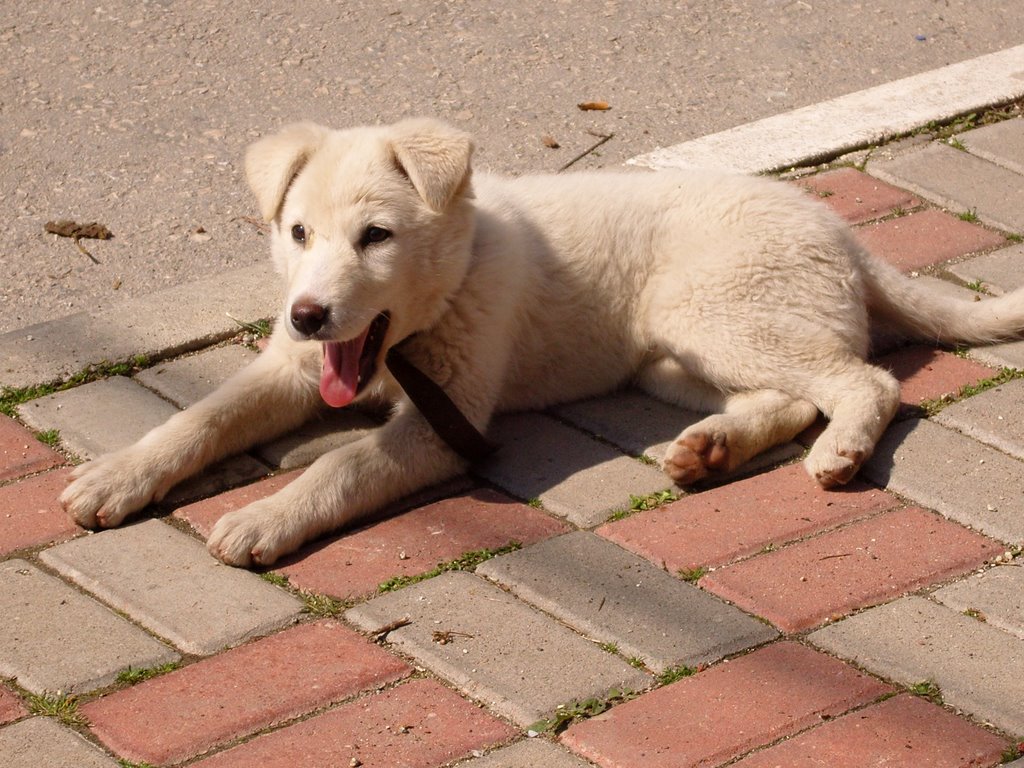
column 903, row 732
column 856, row 196
column 30, row 514
column 926, row 373
column 925, row 238
column 20, row 453
column 184, row 713
column 420, row 724
column 863, row 564
column 11, row 707
column 738, row 519
column 416, row 541
column 203, row 514
column 725, row 711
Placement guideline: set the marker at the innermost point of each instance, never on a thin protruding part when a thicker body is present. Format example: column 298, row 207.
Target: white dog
column 736, row 296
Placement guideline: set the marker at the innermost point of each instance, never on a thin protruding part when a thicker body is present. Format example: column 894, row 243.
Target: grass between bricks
column 1012, row 752
column 60, row 706
column 316, row 605
column 131, row 675
column 50, row 437
column 466, row 562
column 10, row 398
column 1005, row 375
column 584, row 709
column 927, row 689
column 645, row 503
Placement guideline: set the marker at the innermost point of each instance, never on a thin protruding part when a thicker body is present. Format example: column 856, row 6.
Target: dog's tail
column 912, row 309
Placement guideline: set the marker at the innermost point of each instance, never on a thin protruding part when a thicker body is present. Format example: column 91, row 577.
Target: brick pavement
column 757, row 622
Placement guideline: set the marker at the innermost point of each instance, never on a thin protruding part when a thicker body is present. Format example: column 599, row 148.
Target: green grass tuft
column 575, row 711
column 131, row 676
column 672, row 674
column 321, row 606
column 927, row 689
column 50, row 437
column 693, row 575
column 11, row 398
column 60, row 706
column 466, row 562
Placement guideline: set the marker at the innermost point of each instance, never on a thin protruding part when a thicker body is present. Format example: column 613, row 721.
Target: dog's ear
column 274, row 161
column 435, row 157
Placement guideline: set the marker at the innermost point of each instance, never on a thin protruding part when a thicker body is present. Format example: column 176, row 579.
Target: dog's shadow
column 584, row 461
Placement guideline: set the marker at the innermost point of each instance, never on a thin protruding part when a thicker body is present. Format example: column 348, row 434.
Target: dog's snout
column 308, row 317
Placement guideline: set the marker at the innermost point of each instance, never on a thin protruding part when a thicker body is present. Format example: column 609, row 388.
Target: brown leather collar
column 438, row 409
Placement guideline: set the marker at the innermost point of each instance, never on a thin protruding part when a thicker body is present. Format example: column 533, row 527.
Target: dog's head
column 371, row 228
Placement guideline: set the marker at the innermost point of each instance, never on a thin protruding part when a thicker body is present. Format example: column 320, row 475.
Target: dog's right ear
column 274, row 161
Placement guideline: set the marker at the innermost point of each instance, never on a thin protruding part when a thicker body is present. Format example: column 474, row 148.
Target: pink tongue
column 339, row 379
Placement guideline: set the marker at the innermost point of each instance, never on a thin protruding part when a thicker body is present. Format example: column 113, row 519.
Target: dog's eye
column 374, row 234
column 299, row 233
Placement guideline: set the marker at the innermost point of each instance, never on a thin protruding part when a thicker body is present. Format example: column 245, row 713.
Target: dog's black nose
column 308, row 317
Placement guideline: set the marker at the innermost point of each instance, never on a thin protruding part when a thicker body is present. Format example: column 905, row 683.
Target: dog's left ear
column 435, row 157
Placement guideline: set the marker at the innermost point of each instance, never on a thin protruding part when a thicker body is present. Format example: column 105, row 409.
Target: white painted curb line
column 830, row 128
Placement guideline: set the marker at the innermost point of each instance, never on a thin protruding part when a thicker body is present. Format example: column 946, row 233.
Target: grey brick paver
column 533, row 753
column 41, row 743
column 99, row 417
column 614, row 596
column 55, row 638
column 952, row 474
column 635, row 422
column 991, row 417
column 998, row 594
column 1010, row 354
column 959, row 181
column 572, row 474
column 187, row 380
column 167, row 581
column 914, row 639
column 1000, row 143
column 111, row 414
column 1000, row 271
column 327, row 430
column 162, row 324
column 510, row 656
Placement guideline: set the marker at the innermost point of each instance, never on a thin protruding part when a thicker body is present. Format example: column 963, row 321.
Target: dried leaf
column 550, row 142
column 598, row 106
column 67, row 228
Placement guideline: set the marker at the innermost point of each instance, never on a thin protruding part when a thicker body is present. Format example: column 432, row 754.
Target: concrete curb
column 825, row 130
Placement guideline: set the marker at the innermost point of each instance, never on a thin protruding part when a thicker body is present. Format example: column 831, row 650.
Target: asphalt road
column 136, row 114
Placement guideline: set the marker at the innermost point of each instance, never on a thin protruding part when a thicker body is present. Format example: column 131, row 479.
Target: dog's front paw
column 254, row 535
column 833, row 469
column 104, row 492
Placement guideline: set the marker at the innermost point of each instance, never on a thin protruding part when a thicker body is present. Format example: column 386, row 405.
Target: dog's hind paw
column 696, row 455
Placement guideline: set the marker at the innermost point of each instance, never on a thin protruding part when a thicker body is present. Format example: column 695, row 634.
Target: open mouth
column 350, row 365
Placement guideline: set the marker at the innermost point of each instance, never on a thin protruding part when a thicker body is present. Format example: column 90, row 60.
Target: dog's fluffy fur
column 737, row 296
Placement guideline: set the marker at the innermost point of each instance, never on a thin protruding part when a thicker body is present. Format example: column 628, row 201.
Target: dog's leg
column 751, row 423
column 267, row 398
column 402, row 456
column 859, row 401
column 742, row 424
